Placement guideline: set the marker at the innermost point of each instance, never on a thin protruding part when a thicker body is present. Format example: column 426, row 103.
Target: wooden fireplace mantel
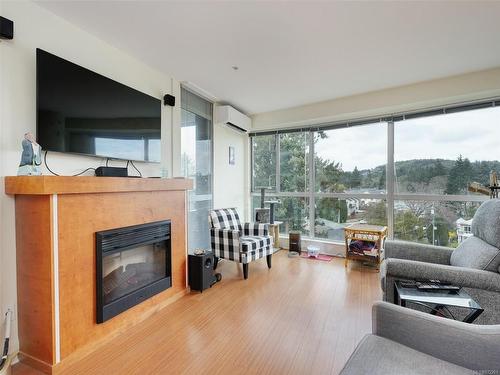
column 56, row 221
column 42, row 185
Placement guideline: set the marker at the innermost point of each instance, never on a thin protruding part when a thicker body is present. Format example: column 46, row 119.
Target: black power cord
column 55, row 174
column 133, row 165
column 88, row 169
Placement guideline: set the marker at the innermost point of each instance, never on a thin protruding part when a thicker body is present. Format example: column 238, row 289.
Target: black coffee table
column 437, row 301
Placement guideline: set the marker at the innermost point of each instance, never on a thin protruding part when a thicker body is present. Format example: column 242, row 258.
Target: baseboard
column 35, row 363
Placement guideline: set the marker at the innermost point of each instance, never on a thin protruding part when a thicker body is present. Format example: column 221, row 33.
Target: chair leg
column 269, row 259
column 245, row 270
column 216, row 261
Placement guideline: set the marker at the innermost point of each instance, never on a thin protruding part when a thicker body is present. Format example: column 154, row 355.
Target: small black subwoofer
column 201, row 271
column 294, row 243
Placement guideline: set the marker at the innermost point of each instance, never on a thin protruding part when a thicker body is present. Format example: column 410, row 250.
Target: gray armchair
column 405, row 341
column 473, row 265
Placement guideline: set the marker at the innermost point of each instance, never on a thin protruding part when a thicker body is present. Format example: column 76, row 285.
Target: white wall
column 443, row 91
column 38, row 28
column 231, row 182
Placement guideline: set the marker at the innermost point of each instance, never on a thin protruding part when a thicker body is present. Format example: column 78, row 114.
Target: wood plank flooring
column 301, row 317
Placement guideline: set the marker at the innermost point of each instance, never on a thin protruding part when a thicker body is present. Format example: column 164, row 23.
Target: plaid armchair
column 239, row 243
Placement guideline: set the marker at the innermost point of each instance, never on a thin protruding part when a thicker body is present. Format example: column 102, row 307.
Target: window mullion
column 390, row 178
column 312, row 185
column 278, row 162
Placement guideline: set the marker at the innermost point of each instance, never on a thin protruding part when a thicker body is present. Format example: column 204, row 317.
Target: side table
column 368, row 233
column 438, row 301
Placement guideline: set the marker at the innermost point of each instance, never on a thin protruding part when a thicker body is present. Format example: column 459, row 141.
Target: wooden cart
column 365, row 232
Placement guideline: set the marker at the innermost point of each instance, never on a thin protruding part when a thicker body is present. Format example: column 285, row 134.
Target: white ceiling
column 293, row 53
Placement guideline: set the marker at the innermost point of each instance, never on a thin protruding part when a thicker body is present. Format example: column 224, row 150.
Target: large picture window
column 434, row 159
column 196, row 164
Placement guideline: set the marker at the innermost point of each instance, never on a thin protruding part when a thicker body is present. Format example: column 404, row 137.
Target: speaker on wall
column 201, row 271
column 6, row 28
column 169, row 100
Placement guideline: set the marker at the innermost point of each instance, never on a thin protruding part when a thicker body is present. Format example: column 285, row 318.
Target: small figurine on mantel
column 31, row 158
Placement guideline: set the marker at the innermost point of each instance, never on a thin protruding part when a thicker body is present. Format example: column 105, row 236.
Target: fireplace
column 132, row 264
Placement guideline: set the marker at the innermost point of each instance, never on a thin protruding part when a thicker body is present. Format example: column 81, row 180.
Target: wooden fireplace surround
column 56, row 220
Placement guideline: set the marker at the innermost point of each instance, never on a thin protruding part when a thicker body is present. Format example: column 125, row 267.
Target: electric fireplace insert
column 132, row 265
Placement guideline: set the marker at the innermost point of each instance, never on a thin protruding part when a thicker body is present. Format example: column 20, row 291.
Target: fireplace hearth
column 132, row 264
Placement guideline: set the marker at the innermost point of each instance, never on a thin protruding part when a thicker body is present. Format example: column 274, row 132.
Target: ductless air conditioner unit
column 227, row 115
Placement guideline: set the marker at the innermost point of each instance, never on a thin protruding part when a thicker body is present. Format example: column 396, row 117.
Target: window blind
column 453, row 108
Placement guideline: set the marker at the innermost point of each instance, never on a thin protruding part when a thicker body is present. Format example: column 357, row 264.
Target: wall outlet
column 12, row 308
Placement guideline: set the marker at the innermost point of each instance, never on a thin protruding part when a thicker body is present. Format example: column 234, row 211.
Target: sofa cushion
column 486, row 222
column 476, row 253
column 377, row 355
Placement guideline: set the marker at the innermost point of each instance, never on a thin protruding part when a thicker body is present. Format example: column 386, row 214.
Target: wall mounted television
column 82, row 112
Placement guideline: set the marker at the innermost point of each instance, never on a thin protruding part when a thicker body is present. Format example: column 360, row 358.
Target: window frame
column 390, row 195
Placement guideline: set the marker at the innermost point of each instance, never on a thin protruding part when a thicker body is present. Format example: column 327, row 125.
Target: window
column 436, row 157
column 264, row 162
column 443, row 223
column 334, row 214
column 294, row 157
column 294, row 213
column 443, row 154
column 337, row 170
column 196, row 163
column 351, row 160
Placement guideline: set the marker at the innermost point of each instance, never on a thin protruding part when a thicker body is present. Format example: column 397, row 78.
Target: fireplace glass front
column 133, row 264
column 129, row 270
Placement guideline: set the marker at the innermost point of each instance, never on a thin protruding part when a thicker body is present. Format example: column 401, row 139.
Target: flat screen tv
column 82, row 112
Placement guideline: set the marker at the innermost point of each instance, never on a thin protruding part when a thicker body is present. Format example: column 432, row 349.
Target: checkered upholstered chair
column 240, row 243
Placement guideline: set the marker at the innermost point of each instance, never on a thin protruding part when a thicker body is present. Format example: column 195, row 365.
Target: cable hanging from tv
column 88, row 169
column 56, row 174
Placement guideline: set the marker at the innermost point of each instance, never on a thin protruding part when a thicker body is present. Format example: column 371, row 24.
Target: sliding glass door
column 196, row 163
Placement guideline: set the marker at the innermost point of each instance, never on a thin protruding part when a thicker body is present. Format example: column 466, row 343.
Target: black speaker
column 201, row 271
column 6, row 28
column 169, row 100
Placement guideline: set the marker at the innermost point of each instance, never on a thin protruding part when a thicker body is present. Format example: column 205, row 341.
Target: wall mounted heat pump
column 229, row 116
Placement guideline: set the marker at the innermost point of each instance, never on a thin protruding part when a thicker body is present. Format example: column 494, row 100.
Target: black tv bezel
column 39, row 50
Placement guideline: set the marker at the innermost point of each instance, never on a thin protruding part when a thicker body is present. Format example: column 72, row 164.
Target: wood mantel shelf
column 47, row 185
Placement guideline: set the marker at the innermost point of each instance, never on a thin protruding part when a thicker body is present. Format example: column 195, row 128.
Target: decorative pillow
column 477, row 254
column 486, row 222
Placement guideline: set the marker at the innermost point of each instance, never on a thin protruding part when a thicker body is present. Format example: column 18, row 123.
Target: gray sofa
column 473, row 265
column 405, row 341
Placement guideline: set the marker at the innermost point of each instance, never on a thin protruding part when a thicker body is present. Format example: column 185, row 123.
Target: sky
column 474, row 134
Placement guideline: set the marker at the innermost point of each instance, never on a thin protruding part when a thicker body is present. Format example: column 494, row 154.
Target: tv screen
column 80, row 111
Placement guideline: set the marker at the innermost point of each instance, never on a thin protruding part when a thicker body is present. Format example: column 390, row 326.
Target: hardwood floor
column 301, row 317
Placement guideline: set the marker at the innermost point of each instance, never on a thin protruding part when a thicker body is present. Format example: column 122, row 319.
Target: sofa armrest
column 460, row 276
column 417, row 251
column 468, row 345
column 255, row 229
